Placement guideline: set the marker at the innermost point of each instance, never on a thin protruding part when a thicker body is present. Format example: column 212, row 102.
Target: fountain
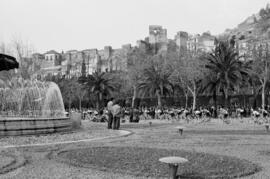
column 32, row 107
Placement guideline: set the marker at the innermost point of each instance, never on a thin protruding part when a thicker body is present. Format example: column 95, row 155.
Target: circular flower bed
column 144, row 162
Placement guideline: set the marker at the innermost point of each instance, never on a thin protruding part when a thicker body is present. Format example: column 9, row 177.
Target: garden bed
column 144, row 162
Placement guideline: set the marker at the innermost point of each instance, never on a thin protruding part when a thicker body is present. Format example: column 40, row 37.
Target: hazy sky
column 84, row 24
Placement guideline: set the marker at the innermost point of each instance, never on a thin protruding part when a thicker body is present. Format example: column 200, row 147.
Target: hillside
column 256, row 26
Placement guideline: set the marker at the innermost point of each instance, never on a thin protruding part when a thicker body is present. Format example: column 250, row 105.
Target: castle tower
column 107, row 52
column 157, row 34
column 181, row 39
column 158, row 37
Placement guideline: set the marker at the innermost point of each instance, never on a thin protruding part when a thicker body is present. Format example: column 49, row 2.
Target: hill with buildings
column 252, row 33
column 108, row 59
column 256, row 26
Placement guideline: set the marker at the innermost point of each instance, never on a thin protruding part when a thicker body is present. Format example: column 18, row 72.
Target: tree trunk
column 99, row 101
column 194, row 101
column 194, row 95
column 226, row 90
column 215, row 102
column 226, row 98
column 134, row 96
column 254, row 95
column 263, row 95
column 97, row 104
column 265, row 79
column 254, row 105
column 159, row 100
column 80, row 104
column 69, row 104
column 186, row 95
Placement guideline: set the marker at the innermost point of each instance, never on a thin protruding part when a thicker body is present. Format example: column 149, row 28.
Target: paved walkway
column 120, row 134
column 37, row 163
column 201, row 138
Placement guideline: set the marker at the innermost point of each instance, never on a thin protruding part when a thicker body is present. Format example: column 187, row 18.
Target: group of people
column 114, row 114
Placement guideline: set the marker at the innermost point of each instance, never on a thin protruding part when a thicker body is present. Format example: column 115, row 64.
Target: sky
column 85, row 24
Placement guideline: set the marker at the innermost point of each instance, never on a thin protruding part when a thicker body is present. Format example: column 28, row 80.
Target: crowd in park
column 158, row 76
column 114, row 113
column 189, row 76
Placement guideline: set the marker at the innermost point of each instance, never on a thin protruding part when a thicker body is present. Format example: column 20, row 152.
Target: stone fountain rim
column 31, row 118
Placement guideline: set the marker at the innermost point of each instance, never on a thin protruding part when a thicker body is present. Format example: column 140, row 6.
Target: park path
column 248, row 146
column 38, row 163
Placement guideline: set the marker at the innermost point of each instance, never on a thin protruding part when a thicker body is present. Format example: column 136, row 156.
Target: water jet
column 31, row 108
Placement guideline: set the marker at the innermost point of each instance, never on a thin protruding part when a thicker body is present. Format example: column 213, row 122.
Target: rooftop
column 51, row 52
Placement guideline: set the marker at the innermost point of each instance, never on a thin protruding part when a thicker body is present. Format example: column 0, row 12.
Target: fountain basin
column 32, row 126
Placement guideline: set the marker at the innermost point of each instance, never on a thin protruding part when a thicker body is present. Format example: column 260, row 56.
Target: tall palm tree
column 99, row 84
column 210, row 85
column 156, row 82
column 224, row 63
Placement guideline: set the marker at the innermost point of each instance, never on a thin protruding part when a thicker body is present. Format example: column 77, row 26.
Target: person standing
column 116, row 112
column 110, row 115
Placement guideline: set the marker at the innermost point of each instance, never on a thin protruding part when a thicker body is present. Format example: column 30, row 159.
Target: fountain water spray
column 32, row 107
column 32, row 99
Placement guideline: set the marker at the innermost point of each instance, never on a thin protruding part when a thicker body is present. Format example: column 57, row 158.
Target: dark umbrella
column 8, row 62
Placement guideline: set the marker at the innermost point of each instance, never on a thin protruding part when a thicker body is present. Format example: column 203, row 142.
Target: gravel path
column 88, row 131
column 242, row 140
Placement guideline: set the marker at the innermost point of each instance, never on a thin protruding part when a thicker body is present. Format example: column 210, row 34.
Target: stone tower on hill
column 157, row 34
column 158, row 37
column 181, row 40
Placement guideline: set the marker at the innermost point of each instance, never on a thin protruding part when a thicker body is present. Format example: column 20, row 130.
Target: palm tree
column 156, row 82
column 224, row 63
column 99, row 84
column 210, row 85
